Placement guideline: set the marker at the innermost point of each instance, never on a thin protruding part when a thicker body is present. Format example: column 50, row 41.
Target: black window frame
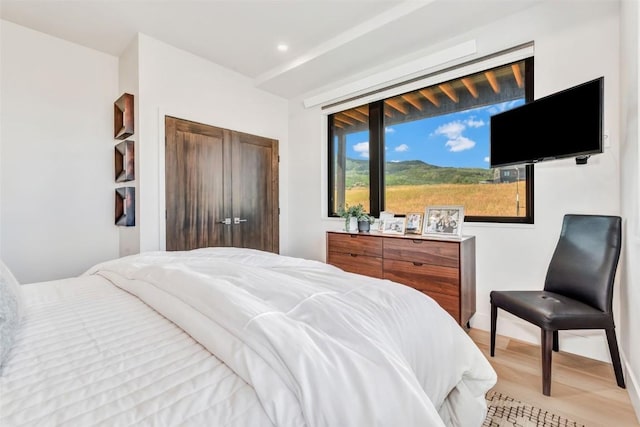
column 377, row 161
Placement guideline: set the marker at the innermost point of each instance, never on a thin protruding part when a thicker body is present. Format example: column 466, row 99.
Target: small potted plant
column 363, row 219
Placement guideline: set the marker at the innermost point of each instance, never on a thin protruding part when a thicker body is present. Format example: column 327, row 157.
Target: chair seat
column 551, row 311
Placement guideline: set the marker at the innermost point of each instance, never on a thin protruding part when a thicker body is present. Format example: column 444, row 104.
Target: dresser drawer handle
column 417, row 264
column 354, row 255
column 353, row 236
column 416, row 241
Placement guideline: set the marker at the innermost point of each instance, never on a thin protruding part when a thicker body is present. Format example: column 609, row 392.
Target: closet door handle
column 238, row 220
column 226, row 221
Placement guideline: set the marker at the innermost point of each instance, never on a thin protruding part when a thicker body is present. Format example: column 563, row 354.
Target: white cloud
column 362, row 148
column 389, row 129
column 495, row 109
column 451, row 130
column 402, row 148
column 487, row 159
column 460, row 143
column 395, row 161
column 456, row 141
column 473, row 123
column 503, row 106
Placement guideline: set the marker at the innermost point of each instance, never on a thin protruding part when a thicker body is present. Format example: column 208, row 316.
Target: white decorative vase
column 353, row 224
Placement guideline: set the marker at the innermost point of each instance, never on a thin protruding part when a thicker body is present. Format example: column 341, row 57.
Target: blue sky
column 458, row 139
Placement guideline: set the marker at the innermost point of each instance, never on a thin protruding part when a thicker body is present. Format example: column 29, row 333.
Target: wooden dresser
column 444, row 269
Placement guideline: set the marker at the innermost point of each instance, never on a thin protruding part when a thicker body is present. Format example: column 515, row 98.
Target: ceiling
column 329, row 40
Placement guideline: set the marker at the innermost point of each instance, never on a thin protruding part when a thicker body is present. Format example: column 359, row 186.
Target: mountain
column 414, row 172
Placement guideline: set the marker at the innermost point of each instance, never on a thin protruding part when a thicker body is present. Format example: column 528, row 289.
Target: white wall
column 176, row 83
column 129, row 237
column 630, row 188
column 56, row 168
column 574, row 42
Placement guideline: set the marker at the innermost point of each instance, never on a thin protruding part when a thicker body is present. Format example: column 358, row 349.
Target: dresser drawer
column 354, row 263
column 424, row 277
column 432, row 252
column 356, row 244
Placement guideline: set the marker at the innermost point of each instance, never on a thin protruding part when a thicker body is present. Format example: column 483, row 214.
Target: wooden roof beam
column 412, row 99
column 471, row 87
column 395, row 104
column 517, row 74
column 430, row 96
column 493, row 81
column 356, row 115
column 341, row 118
column 449, row 91
column 363, row 110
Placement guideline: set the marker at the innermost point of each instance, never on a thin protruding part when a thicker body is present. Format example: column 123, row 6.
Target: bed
column 237, row 337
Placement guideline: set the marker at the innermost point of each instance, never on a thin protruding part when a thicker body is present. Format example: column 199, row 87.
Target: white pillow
column 11, row 310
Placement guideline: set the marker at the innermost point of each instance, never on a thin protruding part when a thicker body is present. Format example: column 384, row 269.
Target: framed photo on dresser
column 384, row 216
column 394, row 226
column 414, row 223
column 443, row 221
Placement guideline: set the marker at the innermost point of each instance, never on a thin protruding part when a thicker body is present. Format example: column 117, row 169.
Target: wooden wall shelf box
column 123, row 117
column 125, row 161
column 444, row 269
column 126, row 206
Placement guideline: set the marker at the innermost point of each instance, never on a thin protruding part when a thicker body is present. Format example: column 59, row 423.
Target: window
column 350, row 163
column 431, row 147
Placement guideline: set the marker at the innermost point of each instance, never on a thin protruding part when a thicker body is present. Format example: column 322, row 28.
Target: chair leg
column 494, row 318
column 556, row 346
column 547, row 345
column 615, row 356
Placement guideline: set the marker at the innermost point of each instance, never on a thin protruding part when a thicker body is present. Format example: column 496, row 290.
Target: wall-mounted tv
column 564, row 124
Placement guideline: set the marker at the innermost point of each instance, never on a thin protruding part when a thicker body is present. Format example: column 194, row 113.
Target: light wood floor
column 582, row 389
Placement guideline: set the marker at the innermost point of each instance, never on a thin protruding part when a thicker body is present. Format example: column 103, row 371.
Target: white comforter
column 90, row 354
column 318, row 346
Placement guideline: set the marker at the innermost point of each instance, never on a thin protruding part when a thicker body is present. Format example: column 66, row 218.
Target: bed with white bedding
column 237, row 337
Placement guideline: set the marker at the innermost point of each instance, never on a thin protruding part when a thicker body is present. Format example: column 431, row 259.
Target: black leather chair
column 578, row 289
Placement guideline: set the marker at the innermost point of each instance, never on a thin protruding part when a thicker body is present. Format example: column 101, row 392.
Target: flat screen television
column 564, row 124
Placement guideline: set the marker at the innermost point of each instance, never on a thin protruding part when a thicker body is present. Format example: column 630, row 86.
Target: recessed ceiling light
column 283, row 47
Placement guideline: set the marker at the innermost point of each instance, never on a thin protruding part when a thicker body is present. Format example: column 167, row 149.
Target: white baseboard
column 633, row 385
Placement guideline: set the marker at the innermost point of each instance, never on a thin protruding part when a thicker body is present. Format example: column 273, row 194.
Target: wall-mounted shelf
column 125, row 161
column 126, row 206
column 123, row 117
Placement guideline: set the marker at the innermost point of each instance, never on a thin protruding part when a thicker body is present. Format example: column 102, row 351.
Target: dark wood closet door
column 255, row 192
column 213, row 174
column 197, row 185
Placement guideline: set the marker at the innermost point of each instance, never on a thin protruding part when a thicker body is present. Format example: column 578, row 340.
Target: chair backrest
column 583, row 266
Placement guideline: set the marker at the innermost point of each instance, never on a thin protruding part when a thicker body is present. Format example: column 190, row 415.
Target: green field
column 477, row 199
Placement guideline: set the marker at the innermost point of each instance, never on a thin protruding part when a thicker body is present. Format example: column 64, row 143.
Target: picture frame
column 414, row 223
column 443, row 221
column 394, row 225
column 384, row 215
